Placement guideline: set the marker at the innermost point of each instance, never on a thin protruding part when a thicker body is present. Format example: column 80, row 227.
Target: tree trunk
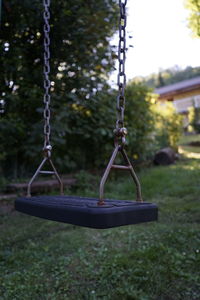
column 165, row 156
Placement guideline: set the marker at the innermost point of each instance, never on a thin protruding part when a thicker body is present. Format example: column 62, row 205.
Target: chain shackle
column 47, row 83
column 120, row 131
column 120, row 136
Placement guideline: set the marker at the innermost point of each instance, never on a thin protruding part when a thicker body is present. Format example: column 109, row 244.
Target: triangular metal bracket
column 127, row 167
column 39, row 171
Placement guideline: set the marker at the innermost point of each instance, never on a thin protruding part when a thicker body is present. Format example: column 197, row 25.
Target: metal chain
column 120, row 131
column 47, row 83
column 47, row 129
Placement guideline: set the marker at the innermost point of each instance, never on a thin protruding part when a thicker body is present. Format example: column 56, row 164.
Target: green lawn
column 185, row 139
column 161, row 261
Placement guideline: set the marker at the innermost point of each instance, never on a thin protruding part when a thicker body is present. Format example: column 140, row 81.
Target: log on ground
column 165, row 156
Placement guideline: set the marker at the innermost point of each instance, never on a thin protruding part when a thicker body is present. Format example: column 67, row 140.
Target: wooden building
column 184, row 94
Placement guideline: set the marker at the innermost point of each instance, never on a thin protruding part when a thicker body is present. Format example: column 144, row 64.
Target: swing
column 88, row 212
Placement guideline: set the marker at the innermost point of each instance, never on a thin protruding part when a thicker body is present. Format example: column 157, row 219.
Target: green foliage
column 83, row 104
column 81, row 59
column 194, row 118
column 89, row 127
column 83, row 109
column 139, row 120
column 169, row 76
column 40, row 259
column 194, row 18
column 168, row 125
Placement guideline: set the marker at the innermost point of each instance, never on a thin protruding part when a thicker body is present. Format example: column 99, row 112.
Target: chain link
column 46, row 71
column 120, row 131
column 47, row 84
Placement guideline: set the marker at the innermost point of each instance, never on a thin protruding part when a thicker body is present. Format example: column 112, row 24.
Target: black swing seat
column 86, row 212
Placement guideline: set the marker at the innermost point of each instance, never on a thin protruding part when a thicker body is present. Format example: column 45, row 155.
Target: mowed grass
column 184, row 144
column 186, row 139
column 160, row 260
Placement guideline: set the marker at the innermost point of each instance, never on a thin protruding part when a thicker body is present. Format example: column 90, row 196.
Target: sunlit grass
column 186, row 149
column 190, row 151
column 185, row 139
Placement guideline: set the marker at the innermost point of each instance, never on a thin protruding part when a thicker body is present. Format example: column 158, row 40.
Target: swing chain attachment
column 47, row 99
column 47, row 151
column 120, row 131
column 120, row 134
column 127, row 167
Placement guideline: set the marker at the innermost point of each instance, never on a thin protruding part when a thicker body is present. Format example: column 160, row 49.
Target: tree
column 194, row 18
column 81, row 59
column 169, row 76
column 83, row 104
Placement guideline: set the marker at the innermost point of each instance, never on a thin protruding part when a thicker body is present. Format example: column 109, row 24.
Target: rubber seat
column 85, row 211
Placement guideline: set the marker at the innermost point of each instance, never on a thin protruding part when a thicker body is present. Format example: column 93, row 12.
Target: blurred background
column 162, row 50
column 41, row 259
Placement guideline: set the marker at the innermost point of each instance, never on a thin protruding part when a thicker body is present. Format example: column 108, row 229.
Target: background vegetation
column 194, row 118
column 48, row 260
column 81, row 59
column 168, row 126
column 83, row 103
column 194, row 21
column 168, row 76
column 83, row 109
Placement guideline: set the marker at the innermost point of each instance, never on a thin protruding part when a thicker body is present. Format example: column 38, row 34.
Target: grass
column 160, row 261
column 191, row 149
column 186, row 139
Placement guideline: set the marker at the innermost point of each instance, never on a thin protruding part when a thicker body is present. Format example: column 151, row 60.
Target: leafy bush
column 88, row 128
column 82, row 131
column 168, row 125
column 139, row 120
column 194, row 118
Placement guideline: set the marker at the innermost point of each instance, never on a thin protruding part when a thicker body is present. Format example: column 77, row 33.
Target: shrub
column 82, row 132
column 168, row 125
column 140, row 121
column 194, row 118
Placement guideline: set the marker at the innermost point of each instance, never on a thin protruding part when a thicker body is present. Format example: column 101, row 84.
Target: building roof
column 179, row 87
